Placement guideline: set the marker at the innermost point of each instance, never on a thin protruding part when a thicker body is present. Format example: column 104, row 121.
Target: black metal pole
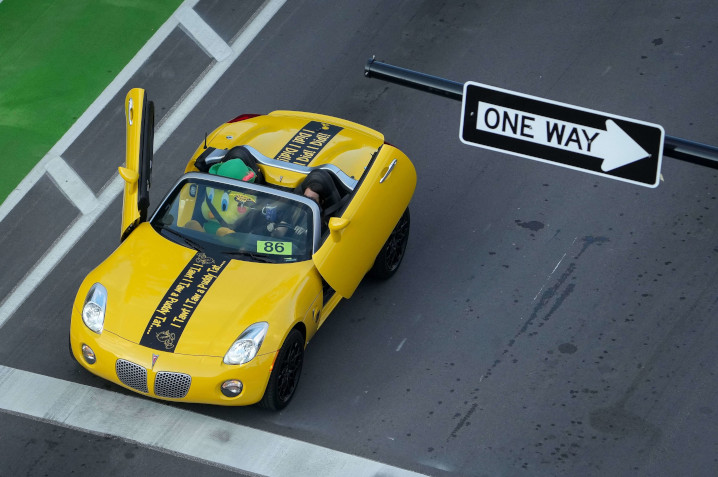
column 414, row 79
column 677, row 148
column 690, row 151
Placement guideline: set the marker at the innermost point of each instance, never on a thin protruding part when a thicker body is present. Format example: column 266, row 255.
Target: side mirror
column 336, row 225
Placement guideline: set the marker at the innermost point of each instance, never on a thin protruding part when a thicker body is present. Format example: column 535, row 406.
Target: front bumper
column 197, row 379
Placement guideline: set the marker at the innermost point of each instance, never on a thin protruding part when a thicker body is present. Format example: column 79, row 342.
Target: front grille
column 132, row 375
column 172, row 385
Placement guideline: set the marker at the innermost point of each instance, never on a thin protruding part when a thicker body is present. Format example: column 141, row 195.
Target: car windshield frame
column 202, row 240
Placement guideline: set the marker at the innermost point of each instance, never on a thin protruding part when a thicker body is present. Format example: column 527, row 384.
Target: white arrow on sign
column 612, row 144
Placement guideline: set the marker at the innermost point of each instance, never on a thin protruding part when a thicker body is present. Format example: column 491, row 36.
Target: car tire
column 391, row 254
column 286, row 373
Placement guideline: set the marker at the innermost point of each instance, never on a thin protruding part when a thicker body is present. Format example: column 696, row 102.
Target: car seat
column 240, row 152
column 330, row 196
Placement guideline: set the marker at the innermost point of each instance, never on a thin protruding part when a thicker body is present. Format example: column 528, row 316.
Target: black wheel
column 391, row 254
column 285, row 376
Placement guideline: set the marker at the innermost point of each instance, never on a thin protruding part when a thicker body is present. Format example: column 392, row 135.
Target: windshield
column 245, row 221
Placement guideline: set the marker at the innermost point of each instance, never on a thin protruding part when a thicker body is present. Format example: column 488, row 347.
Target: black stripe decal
column 181, row 300
column 308, row 142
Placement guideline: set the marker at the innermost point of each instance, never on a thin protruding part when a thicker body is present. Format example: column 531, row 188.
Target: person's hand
column 299, row 230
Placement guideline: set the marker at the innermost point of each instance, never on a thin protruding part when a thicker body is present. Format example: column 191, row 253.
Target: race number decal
column 274, row 248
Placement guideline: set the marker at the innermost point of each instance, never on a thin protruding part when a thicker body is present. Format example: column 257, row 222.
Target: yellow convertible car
column 214, row 297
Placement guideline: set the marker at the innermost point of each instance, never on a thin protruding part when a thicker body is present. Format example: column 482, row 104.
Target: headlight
column 245, row 348
column 93, row 312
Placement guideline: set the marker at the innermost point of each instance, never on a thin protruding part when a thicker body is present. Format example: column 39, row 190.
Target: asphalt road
column 544, row 322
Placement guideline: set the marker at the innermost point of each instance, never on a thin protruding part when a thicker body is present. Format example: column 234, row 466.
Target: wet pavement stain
column 533, row 225
column 552, row 298
column 591, row 240
column 464, row 420
column 567, row 348
column 617, row 421
column 546, row 298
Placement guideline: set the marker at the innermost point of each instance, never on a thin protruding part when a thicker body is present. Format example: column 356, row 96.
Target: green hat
column 235, row 169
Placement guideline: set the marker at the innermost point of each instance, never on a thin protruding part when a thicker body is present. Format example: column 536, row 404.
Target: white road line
column 149, row 423
column 25, row 185
column 80, row 226
column 398, row 348
column 559, row 263
column 91, row 113
column 203, row 34
column 71, row 185
column 175, row 430
column 200, row 89
column 60, row 248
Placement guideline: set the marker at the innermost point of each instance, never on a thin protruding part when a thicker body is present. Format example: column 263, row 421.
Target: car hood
column 172, row 298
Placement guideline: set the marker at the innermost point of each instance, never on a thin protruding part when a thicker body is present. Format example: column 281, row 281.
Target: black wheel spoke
column 396, row 245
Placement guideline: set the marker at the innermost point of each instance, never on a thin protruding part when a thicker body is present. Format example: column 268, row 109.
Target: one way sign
column 578, row 138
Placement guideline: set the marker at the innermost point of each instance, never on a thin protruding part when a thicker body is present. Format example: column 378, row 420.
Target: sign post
column 681, row 149
column 570, row 136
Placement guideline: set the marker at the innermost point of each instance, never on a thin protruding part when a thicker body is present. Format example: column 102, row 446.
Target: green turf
column 56, row 57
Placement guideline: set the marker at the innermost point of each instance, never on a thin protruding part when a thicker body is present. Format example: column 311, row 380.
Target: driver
column 279, row 224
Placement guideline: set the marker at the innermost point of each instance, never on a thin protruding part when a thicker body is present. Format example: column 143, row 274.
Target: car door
column 358, row 234
column 137, row 171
